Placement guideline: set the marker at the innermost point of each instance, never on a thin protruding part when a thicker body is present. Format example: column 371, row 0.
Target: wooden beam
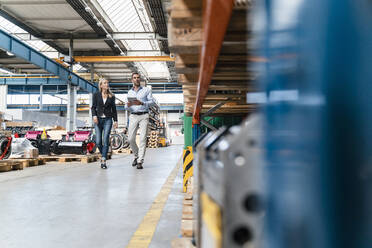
column 184, row 40
column 217, row 96
column 208, row 102
column 186, row 13
column 192, row 60
column 227, row 86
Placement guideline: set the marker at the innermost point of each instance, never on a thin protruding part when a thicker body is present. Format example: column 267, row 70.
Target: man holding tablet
column 139, row 101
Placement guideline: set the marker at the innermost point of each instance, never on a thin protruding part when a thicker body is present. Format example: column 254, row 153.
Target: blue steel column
column 318, row 127
column 3, row 97
column 71, row 97
column 41, row 98
column 195, row 132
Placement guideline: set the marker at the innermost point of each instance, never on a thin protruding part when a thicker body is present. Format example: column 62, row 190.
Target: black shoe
column 139, row 166
column 103, row 165
column 134, row 162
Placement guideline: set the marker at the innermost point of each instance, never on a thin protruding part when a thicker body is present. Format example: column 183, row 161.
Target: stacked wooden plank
column 19, row 164
column 232, row 77
column 84, row 159
column 187, row 223
column 153, row 139
column 123, row 151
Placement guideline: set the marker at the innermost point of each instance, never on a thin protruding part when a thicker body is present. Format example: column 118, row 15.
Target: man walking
column 139, row 101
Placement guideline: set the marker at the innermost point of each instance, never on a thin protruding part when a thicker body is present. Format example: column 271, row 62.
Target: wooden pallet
column 28, row 162
column 84, row 159
column 123, row 150
column 188, row 219
column 8, row 165
column 187, row 228
column 182, row 243
column 153, row 140
column 153, row 146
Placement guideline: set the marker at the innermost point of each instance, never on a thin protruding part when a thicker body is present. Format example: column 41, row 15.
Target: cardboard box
column 31, row 153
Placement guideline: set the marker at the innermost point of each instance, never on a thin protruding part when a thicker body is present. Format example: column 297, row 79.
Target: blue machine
column 318, row 122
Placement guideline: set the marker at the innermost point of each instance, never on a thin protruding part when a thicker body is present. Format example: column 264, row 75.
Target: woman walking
column 103, row 111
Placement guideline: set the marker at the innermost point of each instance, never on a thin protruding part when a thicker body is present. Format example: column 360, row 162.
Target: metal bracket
column 214, row 108
column 207, row 124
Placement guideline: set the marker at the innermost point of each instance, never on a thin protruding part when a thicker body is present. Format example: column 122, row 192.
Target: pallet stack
column 19, row 164
column 123, row 150
column 188, row 220
column 66, row 158
column 185, row 37
column 153, row 139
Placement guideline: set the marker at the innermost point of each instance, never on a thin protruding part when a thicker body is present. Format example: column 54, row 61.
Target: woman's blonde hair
column 100, row 82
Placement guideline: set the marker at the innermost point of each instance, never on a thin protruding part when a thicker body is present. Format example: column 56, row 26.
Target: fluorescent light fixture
column 5, row 71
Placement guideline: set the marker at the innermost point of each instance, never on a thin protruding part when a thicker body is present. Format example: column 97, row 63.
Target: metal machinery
column 313, row 162
column 318, row 122
column 162, row 135
column 229, row 166
column 5, row 146
column 78, row 142
column 45, row 146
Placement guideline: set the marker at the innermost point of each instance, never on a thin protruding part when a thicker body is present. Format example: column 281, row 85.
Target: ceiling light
column 108, row 36
column 99, row 24
column 5, row 71
column 122, row 53
column 88, row 9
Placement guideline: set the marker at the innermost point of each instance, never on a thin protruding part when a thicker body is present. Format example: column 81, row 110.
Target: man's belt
column 139, row 113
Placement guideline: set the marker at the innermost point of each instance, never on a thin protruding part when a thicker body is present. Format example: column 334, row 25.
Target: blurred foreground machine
column 231, row 187
column 317, row 122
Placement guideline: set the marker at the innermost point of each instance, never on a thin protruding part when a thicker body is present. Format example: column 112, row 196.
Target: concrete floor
column 81, row 205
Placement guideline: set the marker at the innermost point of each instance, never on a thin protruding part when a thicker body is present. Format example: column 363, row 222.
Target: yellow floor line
column 144, row 233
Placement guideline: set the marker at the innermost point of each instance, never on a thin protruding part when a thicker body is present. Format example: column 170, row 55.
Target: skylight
column 131, row 16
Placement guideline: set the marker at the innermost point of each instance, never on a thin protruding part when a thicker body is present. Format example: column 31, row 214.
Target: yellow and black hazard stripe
column 188, row 168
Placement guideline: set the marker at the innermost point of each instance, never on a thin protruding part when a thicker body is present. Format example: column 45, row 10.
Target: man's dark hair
column 135, row 73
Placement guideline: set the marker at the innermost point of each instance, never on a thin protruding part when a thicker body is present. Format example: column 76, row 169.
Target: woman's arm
column 94, row 109
column 114, row 113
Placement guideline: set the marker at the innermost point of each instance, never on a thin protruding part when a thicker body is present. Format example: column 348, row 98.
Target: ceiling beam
column 97, row 59
column 89, row 35
column 25, row 3
column 15, row 20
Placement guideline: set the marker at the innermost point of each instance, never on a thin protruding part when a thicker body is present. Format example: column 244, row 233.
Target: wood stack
column 123, row 150
column 19, row 124
column 153, row 139
column 188, row 219
column 19, row 164
column 231, row 79
column 66, row 158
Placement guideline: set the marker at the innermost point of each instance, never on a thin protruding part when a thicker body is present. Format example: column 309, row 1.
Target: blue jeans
column 103, row 128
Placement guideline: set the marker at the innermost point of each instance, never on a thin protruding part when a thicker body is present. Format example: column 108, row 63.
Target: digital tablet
column 131, row 99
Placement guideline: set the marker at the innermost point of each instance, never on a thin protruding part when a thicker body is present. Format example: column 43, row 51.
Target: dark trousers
column 103, row 128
